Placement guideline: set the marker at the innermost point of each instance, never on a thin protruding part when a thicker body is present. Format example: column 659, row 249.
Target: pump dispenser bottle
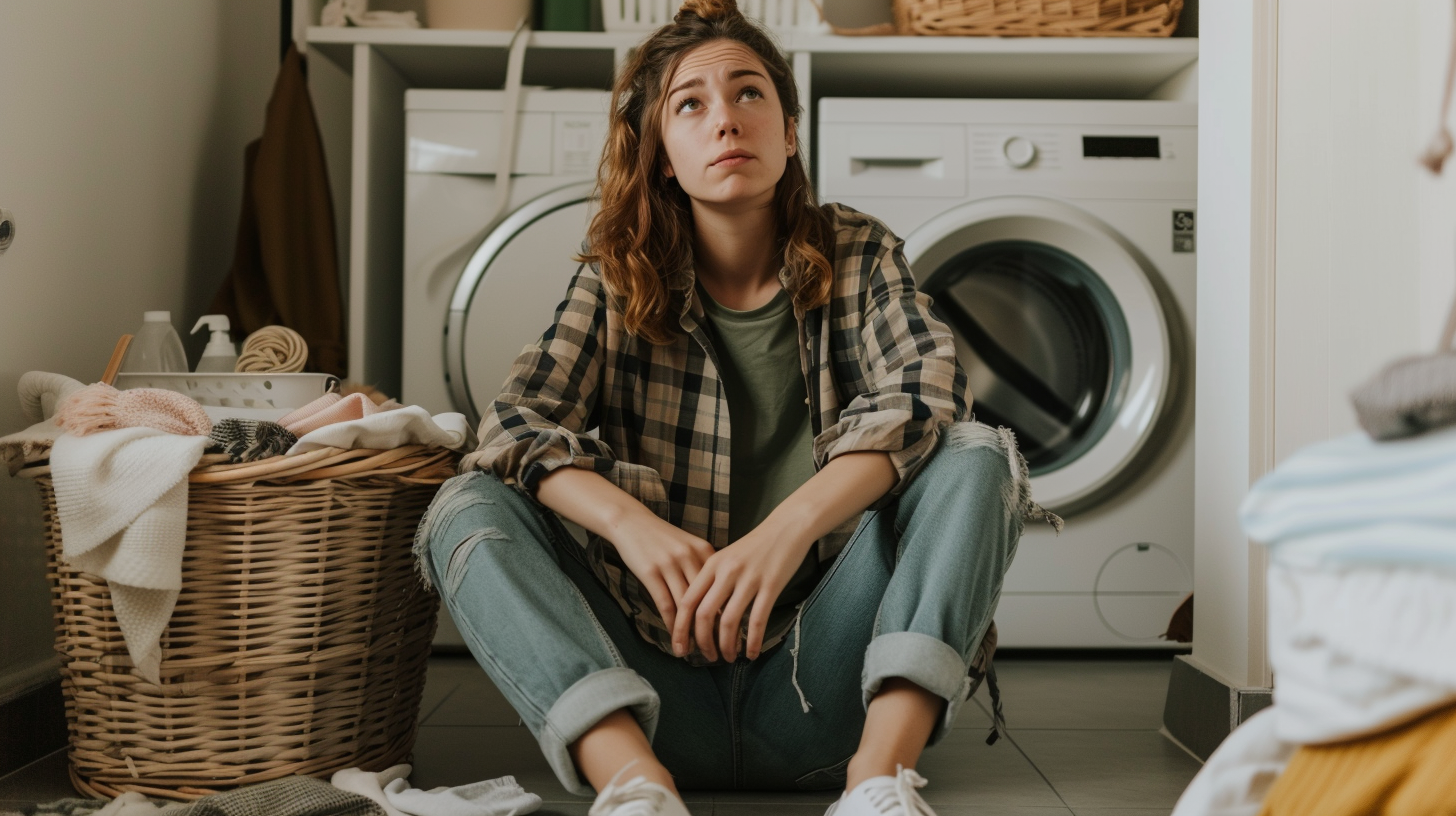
column 156, row 347
column 220, row 355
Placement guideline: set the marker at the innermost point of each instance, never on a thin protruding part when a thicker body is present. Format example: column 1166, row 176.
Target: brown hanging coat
column 285, row 266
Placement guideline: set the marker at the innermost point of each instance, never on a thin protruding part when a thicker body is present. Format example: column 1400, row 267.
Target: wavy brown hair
column 643, row 231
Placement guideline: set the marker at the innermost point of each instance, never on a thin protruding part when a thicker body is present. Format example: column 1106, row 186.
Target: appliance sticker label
column 1184, row 230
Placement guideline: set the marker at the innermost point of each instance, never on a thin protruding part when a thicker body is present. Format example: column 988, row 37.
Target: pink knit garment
column 332, row 408
column 100, row 407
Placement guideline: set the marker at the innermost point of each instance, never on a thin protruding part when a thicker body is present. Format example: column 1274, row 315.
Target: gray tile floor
column 1084, row 741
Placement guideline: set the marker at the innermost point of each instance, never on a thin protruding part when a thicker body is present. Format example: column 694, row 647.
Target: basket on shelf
column 299, row 641
column 645, row 15
column 1038, row 18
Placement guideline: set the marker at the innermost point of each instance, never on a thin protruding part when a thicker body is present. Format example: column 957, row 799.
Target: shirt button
column 806, row 400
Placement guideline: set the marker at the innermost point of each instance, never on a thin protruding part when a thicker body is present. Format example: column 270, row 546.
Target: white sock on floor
column 364, row 783
column 492, row 797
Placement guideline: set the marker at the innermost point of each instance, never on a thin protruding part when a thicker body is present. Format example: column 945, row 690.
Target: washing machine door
column 508, row 294
column 1061, row 333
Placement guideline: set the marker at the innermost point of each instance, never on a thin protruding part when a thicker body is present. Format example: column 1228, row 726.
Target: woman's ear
column 792, row 136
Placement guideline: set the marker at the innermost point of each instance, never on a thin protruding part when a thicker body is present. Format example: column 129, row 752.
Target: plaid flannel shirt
column 880, row 370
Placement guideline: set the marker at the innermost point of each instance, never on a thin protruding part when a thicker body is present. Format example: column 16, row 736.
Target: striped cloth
column 880, row 371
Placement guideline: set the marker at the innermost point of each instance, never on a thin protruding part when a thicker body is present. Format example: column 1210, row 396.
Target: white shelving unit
column 371, row 69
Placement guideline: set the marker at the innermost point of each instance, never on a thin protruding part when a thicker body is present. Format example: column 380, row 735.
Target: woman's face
column 723, row 126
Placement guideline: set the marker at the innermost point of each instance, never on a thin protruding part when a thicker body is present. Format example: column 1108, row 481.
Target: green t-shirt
column 772, row 440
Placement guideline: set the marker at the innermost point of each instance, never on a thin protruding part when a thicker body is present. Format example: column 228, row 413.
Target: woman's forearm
column 589, row 499
column 843, row 488
column 839, row 491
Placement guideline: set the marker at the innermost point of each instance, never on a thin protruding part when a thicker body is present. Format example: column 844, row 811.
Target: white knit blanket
column 121, row 499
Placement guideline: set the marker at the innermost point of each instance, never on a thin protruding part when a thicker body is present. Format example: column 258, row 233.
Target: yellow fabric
column 1407, row 771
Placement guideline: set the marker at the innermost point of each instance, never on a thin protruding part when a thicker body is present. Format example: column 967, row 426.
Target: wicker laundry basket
column 299, row 641
column 1029, row 18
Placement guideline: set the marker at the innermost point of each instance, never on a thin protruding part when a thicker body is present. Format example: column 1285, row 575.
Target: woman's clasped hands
column 702, row 594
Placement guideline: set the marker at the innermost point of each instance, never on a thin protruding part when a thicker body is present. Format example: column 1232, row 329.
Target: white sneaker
column 884, row 796
column 636, row 797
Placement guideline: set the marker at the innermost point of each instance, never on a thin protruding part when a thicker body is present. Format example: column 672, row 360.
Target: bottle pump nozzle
column 220, row 347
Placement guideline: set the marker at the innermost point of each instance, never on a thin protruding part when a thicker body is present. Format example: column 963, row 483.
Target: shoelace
column 633, row 797
column 901, row 798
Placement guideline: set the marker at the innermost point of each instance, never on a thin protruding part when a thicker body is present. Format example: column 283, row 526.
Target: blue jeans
column 911, row 595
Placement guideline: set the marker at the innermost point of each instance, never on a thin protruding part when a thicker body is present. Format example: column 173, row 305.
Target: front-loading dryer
column 482, row 277
column 1057, row 240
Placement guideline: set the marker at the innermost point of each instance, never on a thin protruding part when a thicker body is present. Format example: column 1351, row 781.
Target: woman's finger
column 687, row 606
column 706, row 618
column 728, row 624
column 677, row 584
column 661, row 595
column 757, row 625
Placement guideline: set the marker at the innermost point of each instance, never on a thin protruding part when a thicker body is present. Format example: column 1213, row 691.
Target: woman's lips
column 732, row 162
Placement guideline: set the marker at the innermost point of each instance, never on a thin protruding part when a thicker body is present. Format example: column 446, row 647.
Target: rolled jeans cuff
column 924, row 661
column 585, row 704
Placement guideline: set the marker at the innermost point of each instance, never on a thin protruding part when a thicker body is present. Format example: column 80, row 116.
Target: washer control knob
column 1019, row 151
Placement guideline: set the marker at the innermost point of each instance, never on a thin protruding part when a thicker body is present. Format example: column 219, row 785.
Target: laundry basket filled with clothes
column 235, row 599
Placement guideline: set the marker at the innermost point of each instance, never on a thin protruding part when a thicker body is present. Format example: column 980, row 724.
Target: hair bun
column 708, row 10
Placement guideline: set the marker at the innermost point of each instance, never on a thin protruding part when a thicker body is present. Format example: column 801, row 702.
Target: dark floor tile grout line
column 1108, row 730
column 425, row 718
column 520, row 726
column 1043, row 776
column 27, row 766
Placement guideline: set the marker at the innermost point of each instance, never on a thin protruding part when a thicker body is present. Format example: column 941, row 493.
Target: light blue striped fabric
column 1352, row 500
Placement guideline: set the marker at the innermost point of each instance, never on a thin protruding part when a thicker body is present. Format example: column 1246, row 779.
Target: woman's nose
column 728, row 125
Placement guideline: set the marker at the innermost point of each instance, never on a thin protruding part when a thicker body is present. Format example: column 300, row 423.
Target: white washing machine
column 476, row 294
column 1057, row 240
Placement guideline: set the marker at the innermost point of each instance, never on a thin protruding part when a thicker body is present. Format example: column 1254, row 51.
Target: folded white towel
column 121, row 499
column 492, row 797
column 1358, row 650
column 371, row 785
column 411, row 425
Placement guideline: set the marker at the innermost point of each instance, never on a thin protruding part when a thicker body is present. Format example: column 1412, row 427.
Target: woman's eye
column 754, row 91
column 683, row 104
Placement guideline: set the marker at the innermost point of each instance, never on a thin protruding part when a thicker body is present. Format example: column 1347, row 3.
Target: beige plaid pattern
column 880, row 370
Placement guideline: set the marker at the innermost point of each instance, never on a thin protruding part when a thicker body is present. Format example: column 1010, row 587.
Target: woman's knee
column 465, row 507
column 977, row 450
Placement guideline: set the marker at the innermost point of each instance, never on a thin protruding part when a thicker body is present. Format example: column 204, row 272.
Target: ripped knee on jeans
column 460, row 555
column 963, row 436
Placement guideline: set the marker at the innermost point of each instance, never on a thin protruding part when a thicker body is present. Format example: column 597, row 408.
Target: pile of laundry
column 119, row 462
column 1361, row 628
column 353, row 792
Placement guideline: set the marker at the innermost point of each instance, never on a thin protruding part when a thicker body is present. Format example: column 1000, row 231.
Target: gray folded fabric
column 248, row 440
column 290, row 796
column 1408, row 397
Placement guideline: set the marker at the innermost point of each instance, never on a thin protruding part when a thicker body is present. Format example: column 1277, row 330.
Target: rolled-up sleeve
column 539, row 422
column 917, row 387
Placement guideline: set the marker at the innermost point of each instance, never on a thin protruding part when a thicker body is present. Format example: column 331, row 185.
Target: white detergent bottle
column 156, row 348
column 220, row 355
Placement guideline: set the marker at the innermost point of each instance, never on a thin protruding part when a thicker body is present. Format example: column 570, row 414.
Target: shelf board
column 1073, row 67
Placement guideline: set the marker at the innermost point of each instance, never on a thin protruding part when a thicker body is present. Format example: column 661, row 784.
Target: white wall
column 1224, row 430
column 122, row 128
column 1436, row 196
column 1321, row 252
column 1347, row 295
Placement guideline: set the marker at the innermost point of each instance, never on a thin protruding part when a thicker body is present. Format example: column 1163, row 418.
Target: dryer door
column 1060, row 330
column 509, row 292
